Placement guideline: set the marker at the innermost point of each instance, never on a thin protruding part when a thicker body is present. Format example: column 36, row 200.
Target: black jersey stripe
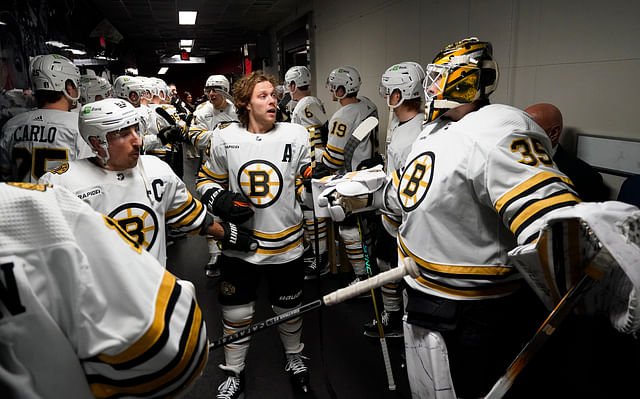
column 104, row 387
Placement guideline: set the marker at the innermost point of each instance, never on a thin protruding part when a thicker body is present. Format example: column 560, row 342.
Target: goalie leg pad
column 427, row 363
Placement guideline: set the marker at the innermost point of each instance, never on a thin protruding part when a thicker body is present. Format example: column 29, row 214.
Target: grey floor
column 342, row 360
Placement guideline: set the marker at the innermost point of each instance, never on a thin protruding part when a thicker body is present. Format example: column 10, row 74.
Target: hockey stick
column 548, row 327
column 387, row 139
column 408, row 266
column 383, row 341
column 356, row 138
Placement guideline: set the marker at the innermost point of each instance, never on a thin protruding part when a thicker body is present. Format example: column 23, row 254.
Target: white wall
column 582, row 56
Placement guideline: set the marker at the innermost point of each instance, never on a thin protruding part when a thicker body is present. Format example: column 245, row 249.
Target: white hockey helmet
column 125, row 85
column 218, row 82
column 92, row 86
column 52, row 72
column 406, row 77
column 299, row 75
column 160, row 89
column 345, row 76
column 99, row 118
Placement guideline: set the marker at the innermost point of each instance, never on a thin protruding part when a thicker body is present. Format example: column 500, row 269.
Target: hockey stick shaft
column 383, row 341
column 408, row 267
column 548, row 327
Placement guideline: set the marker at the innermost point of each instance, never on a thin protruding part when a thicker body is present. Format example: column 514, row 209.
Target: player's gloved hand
column 371, row 162
column 318, row 172
column 236, row 238
column 171, row 135
column 227, row 205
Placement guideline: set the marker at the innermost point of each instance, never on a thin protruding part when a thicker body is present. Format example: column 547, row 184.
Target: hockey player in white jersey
column 401, row 87
column 344, row 83
column 85, row 311
column 206, row 117
column 140, row 192
column 94, row 88
column 476, row 183
column 309, row 112
column 210, row 113
column 260, row 160
column 40, row 140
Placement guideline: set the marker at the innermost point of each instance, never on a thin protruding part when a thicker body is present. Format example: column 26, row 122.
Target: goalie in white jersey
column 140, row 192
column 37, row 141
column 476, row 183
column 258, row 160
column 85, row 311
column 309, row 112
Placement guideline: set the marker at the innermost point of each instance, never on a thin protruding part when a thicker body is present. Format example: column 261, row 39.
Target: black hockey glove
column 171, row 135
column 308, row 173
column 236, row 238
column 371, row 162
column 227, row 205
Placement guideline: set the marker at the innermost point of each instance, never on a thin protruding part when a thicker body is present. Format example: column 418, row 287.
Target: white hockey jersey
column 341, row 127
column 470, row 191
column 309, row 112
column 205, row 119
column 402, row 138
column 153, row 124
column 265, row 168
column 142, row 202
column 38, row 141
column 84, row 311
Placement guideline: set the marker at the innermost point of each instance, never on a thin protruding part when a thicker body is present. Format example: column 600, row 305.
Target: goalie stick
column 549, row 326
column 408, row 266
column 356, row 138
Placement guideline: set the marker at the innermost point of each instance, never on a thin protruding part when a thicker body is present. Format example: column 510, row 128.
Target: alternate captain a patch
column 416, row 180
column 261, row 182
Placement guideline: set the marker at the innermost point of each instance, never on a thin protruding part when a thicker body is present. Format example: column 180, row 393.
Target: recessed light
column 163, row 70
column 187, row 17
column 186, row 43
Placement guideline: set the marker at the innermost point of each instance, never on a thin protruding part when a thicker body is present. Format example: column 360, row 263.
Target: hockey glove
column 227, row 205
column 171, row 135
column 308, row 173
column 236, row 238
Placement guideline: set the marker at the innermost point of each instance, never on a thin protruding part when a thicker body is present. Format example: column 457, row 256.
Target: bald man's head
column 549, row 117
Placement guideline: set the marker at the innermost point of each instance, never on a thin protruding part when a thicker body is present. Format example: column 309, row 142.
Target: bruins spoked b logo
column 416, row 180
column 139, row 221
column 261, row 182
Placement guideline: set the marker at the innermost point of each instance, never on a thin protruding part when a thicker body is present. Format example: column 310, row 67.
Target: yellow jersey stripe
column 181, row 208
column 529, row 184
column 533, row 209
column 155, row 330
column 279, row 250
column 275, row 236
column 457, row 270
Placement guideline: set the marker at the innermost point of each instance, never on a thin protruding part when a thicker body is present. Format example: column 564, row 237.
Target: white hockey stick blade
column 365, row 127
column 406, row 266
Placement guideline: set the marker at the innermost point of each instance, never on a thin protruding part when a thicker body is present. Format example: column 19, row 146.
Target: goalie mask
column 299, row 75
column 346, row 77
column 94, row 88
column 129, row 88
column 99, row 118
column 406, row 77
column 52, row 72
column 461, row 73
